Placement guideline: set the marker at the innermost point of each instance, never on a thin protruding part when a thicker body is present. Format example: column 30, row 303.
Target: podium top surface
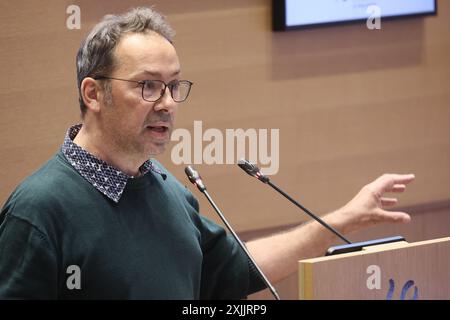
column 376, row 249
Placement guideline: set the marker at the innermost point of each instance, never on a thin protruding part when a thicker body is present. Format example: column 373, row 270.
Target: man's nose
column 166, row 102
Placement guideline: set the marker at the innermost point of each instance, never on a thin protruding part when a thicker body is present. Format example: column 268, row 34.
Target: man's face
column 136, row 126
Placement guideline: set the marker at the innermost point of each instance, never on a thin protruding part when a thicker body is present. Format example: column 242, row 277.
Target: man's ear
column 90, row 92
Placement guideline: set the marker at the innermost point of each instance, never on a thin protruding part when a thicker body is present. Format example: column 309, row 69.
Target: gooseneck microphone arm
column 312, row 215
column 255, row 172
column 195, row 178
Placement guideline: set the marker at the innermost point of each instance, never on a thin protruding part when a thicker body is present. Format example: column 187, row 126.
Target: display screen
column 290, row 14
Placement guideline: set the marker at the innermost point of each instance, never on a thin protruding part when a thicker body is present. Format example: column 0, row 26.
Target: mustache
column 160, row 117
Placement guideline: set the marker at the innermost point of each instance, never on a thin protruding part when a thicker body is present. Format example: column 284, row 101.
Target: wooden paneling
column 350, row 103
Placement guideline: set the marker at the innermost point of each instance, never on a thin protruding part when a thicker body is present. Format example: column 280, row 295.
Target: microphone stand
column 255, row 172
column 195, row 178
column 312, row 215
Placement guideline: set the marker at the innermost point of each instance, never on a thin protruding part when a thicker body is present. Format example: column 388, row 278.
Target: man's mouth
column 160, row 129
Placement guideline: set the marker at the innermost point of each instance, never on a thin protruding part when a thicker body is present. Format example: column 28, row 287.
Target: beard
column 132, row 140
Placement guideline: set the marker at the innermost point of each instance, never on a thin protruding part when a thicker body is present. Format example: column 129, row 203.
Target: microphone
column 254, row 171
column 195, row 178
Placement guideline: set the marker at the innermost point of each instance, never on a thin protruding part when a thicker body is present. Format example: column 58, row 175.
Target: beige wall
column 350, row 103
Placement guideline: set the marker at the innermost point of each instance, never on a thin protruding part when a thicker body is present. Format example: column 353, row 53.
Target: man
column 102, row 221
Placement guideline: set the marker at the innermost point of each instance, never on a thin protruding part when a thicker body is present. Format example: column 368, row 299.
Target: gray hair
column 95, row 56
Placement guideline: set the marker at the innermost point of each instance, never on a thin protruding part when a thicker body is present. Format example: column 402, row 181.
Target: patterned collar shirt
column 108, row 180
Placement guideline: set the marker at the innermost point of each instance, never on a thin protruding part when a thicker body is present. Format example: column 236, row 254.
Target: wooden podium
column 394, row 271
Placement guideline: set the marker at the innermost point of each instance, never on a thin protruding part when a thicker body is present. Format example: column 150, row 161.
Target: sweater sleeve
column 28, row 267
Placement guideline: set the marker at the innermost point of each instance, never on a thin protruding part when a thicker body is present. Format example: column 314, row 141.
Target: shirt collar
column 105, row 178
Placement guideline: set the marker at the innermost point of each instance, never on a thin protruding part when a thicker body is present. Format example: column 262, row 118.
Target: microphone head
column 252, row 170
column 248, row 167
column 195, row 178
column 191, row 174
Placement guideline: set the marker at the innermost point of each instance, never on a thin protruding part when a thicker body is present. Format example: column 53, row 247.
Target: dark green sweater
column 152, row 244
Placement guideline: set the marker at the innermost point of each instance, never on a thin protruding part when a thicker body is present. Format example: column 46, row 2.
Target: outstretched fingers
column 395, row 183
column 394, row 216
column 392, row 183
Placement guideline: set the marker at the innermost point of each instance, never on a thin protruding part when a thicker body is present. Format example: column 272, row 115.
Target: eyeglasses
column 153, row 90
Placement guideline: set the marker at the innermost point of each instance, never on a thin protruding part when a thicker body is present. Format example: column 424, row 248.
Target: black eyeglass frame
column 143, row 82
